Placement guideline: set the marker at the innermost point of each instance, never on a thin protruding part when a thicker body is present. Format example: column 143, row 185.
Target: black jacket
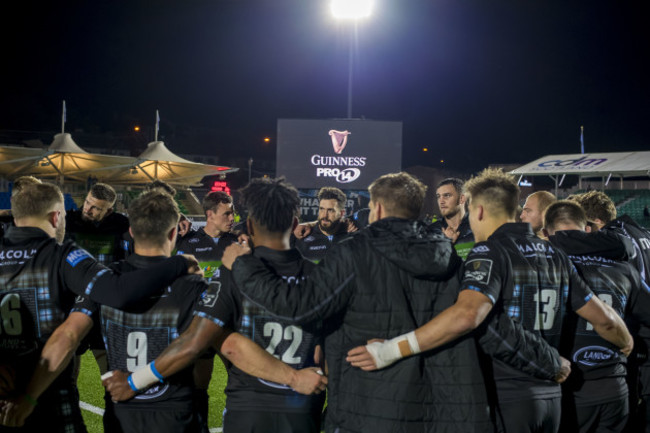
column 383, row 281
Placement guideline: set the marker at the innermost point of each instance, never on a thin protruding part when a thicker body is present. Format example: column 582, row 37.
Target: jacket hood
column 414, row 247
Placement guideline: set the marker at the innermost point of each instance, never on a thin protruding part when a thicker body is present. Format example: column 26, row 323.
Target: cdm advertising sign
column 584, row 164
column 345, row 153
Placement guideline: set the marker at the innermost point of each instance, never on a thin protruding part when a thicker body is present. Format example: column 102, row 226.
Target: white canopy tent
column 588, row 165
column 158, row 162
column 64, row 159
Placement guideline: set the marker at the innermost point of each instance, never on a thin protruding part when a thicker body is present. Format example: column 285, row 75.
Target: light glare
column 351, row 9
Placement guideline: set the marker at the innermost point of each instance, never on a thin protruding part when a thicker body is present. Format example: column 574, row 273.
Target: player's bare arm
column 252, row 359
column 183, row 351
column 56, row 354
column 607, row 323
column 202, row 334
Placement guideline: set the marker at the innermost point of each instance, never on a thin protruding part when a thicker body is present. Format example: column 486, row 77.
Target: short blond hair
column 497, row 190
column 35, row 200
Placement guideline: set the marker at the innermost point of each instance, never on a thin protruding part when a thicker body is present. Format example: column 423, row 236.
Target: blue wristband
column 130, row 380
column 155, row 372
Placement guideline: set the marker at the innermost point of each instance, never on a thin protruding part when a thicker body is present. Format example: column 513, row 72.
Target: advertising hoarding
column 344, row 153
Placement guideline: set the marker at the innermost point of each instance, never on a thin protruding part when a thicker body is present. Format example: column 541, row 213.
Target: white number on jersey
column 136, row 349
column 276, row 333
column 545, row 309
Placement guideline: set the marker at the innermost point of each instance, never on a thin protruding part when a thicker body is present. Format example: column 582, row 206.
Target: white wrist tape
column 390, row 351
column 144, row 377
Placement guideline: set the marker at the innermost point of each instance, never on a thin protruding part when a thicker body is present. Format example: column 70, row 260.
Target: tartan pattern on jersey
column 539, row 295
column 160, row 324
column 293, row 344
column 31, row 286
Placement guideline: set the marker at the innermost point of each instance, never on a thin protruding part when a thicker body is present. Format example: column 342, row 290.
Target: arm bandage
column 390, row 351
column 144, row 378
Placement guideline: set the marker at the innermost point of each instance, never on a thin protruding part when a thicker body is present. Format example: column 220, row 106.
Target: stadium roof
column 620, row 164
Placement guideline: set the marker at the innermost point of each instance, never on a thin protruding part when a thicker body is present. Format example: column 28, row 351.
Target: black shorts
column 163, row 420
column 530, row 416
column 270, row 422
column 606, row 417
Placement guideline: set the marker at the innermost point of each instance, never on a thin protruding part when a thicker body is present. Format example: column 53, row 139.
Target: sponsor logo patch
column 478, row 270
column 77, row 256
column 593, row 355
column 481, row 249
column 209, row 297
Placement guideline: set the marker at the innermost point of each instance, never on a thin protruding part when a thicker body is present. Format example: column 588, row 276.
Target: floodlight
column 351, row 9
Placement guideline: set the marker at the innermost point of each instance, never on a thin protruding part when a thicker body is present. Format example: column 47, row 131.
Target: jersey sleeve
column 84, row 276
column 483, row 271
column 217, row 303
column 321, row 294
column 85, row 305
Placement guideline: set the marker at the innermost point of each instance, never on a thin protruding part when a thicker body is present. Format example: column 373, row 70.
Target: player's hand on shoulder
column 192, row 264
column 184, row 226
column 302, row 230
column 117, row 385
column 309, row 380
column 243, row 238
column 233, row 251
column 451, row 233
column 350, row 226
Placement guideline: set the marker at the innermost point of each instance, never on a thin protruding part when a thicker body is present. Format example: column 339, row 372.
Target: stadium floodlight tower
column 351, row 10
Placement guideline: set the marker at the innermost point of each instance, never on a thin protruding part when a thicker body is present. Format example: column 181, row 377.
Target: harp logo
column 339, row 140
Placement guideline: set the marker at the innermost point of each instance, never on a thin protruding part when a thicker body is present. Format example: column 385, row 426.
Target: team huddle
column 493, row 319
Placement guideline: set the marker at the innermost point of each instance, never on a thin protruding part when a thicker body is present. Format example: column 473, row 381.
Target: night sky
column 475, row 81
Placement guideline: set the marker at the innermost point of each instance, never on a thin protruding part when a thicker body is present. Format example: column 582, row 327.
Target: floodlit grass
column 92, row 392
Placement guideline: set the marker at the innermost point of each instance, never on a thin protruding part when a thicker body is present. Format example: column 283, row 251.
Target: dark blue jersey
column 533, row 283
column 135, row 336
column 292, row 344
column 207, row 250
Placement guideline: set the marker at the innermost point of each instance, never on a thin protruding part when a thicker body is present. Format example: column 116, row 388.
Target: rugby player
column 510, row 273
column 599, row 394
column 331, row 227
column 253, row 404
column 383, row 279
column 454, row 223
column 207, row 245
column 97, row 228
column 533, row 210
column 40, row 279
column 601, row 215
